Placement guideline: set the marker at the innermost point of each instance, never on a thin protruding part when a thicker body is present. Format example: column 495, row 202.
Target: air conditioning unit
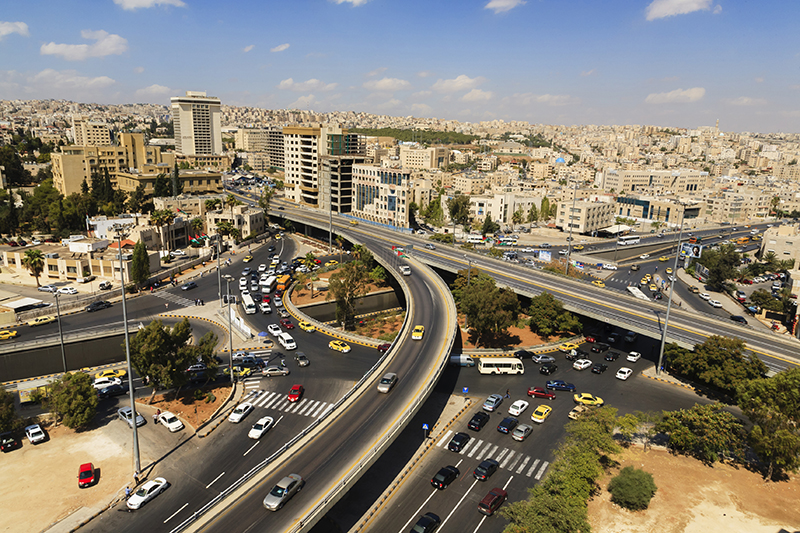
column 51, row 255
column 127, row 257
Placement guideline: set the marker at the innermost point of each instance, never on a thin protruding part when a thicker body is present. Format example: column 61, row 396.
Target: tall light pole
column 120, row 230
column 219, row 270
column 669, row 301
column 60, row 335
column 228, row 279
column 469, row 279
column 330, row 214
column 569, row 219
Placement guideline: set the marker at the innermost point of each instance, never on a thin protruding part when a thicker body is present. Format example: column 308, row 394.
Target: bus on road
column 500, row 365
column 248, row 305
column 628, row 239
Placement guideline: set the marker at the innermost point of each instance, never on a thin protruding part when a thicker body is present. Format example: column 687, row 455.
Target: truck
column 283, row 282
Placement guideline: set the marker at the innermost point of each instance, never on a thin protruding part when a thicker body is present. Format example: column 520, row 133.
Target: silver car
column 387, row 382
column 541, row 358
column 275, row 371
column 125, row 414
column 283, row 491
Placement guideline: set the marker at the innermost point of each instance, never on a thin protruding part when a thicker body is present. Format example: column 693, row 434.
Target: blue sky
column 679, row 63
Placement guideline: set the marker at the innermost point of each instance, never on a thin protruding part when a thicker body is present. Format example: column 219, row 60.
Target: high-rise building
column 196, row 119
column 87, row 133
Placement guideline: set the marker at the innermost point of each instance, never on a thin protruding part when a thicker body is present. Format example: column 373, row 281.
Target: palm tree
column 158, row 218
column 197, row 225
column 340, row 244
column 358, row 252
column 309, row 261
column 266, row 197
column 213, row 204
column 34, row 262
column 224, row 227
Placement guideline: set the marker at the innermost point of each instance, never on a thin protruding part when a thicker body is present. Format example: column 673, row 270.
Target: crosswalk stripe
column 282, row 405
column 483, row 452
column 446, row 437
column 514, row 462
column 523, row 465
column 318, row 411
column 296, row 407
column 491, row 453
column 252, row 385
column 265, row 398
column 301, row 402
column 475, row 448
column 541, row 471
column 275, row 399
column 327, row 410
column 535, row 464
column 305, row 407
column 311, row 406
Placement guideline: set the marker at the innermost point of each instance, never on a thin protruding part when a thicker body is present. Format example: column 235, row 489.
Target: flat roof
column 22, row 302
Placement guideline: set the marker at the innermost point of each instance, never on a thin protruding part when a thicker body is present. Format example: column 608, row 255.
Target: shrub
column 199, row 395
column 632, row 488
column 210, row 398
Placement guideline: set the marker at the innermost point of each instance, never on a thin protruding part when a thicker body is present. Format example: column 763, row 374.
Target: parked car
column 124, row 413
column 624, row 373
column 8, row 442
column 170, row 421
column 560, row 385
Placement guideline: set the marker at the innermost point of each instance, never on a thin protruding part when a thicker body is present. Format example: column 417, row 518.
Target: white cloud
column 588, row 72
column 7, row 28
column 387, row 85
column 501, row 6
column 155, row 90
column 421, row 94
column 355, row 3
column 795, row 87
column 476, row 95
column 51, row 83
column 375, row 72
column 424, row 74
column 69, row 79
column 106, row 44
column 131, row 5
column 461, row 83
column 745, row 101
column 553, row 100
column 659, row 9
column 303, row 102
column 759, row 79
column 421, row 109
column 678, row 96
column 138, row 70
column 248, row 48
column 717, row 9
column 280, row 48
column 308, row 85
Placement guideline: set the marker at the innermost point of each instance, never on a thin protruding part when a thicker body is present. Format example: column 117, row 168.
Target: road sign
column 465, row 390
column 425, row 427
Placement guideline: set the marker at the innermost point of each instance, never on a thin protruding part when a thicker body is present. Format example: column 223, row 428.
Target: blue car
column 560, row 385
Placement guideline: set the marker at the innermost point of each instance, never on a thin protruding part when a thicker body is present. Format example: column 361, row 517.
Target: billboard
column 695, row 251
column 545, row 256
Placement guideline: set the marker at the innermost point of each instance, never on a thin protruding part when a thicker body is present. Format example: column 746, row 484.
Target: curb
column 670, row 382
column 51, row 376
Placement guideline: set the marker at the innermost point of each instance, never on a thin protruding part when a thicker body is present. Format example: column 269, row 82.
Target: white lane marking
column 459, row 462
column 500, row 455
column 475, row 448
column 267, row 397
column 513, row 463
column 508, row 483
column 278, row 420
column 176, row 512
column 319, row 410
column 327, row 410
column 541, row 471
column 309, row 407
column 523, row 465
column 251, row 449
column 305, row 407
column 483, row 452
column 535, row 464
column 459, row 503
column 274, row 400
column 297, row 406
column 252, row 385
column 215, row 479
column 446, row 436
column 479, row 524
column 405, row 526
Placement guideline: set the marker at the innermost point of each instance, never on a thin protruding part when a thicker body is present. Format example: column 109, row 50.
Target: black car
column 189, row 286
column 427, row 523
column 739, row 319
column 112, row 390
column 599, row 368
column 485, row 470
column 548, row 368
column 9, row 442
column 560, row 385
column 271, row 249
column 572, row 356
column 612, row 356
column 458, row 442
column 479, row 420
column 444, row 477
column 600, row 347
column 508, row 424
column 96, row 306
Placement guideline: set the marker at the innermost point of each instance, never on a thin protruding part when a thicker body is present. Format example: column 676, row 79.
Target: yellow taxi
column 40, row 320
column 578, row 247
column 568, row 347
column 8, row 334
column 653, row 287
column 306, row 326
column 663, row 258
column 339, row 346
column 354, row 222
column 332, row 262
column 669, row 270
column 598, row 283
column 418, row 332
column 247, row 259
column 585, row 398
column 541, row 413
column 111, row 373
column 645, row 280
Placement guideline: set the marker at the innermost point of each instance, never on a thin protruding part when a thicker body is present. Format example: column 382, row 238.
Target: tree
column 489, row 226
column 489, row 310
column 177, row 184
column 518, row 215
column 197, row 225
column 231, row 201
column 533, row 214
column 266, row 197
column 345, row 286
column 73, row 399
column 14, row 170
column 722, row 265
column 340, row 244
column 773, row 406
column 413, row 209
column 161, row 186
column 34, row 262
column 705, row 432
column 549, row 317
column 140, row 264
column 632, row 488
column 212, row 204
column 433, row 212
column 161, row 218
column 108, row 188
column 137, row 199
column 458, row 207
column 544, row 209
column 9, row 420
column 310, row 261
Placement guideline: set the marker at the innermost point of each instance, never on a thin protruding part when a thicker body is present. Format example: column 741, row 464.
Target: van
column 405, row 269
column 104, row 285
column 287, row 341
column 265, row 308
column 461, row 360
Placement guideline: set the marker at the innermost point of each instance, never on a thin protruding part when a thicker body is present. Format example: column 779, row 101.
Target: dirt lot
column 191, row 411
column 693, row 498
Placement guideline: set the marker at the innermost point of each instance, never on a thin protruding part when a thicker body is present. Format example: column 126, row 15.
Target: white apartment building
column 500, row 207
column 382, row 194
column 88, row 133
column 197, row 123
column 412, row 157
column 266, row 141
column 248, row 220
column 584, row 217
column 783, row 241
column 673, row 181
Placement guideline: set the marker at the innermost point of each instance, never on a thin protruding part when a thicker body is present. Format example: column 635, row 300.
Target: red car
column 286, row 323
column 86, row 475
column 492, row 501
column 266, row 299
column 296, row 393
column 541, row 392
column 591, row 339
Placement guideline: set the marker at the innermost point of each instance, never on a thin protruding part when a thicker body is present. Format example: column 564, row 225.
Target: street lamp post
column 219, row 270
column 228, row 279
column 569, row 219
column 469, row 278
column 60, row 334
column 669, row 302
column 120, row 230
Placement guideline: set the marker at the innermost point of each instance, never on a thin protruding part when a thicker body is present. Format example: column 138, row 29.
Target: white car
column 277, row 301
column 517, row 408
column 581, row 364
column 240, row 412
column 67, row 290
column 170, row 421
column 644, row 256
column 624, row 373
column 262, row 268
column 102, row 383
column 242, row 284
column 715, row 303
column 274, row 330
column 609, row 267
column 178, row 252
column 704, row 296
column 260, row 427
column 34, row 433
column 147, row 492
column 633, row 357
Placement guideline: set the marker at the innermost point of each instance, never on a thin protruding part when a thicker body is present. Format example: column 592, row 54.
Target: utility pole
column 569, row 219
column 669, row 301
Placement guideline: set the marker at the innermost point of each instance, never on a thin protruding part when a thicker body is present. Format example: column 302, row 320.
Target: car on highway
column 581, row 364
column 427, row 523
column 548, row 368
column 577, row 411
column 189, row 285
column 295, row 393
column 339, row 346
column 444, row 477
column 147, row 492
column 507, row 424
column 241, row 411
column 387, row 382
column 247, row 258
column 567, row 347
column 633, row 357
column 301, row 359
column 262, row 267
column 624, row 373
column 492, row 501
column 517, row 408
column 587, row 399
column 286, row 323
column 41, row 320
column 492, row 402
column 598, row 283
column 125, row 413
column 67, row 290
column 260, row 427
column 478, row 420
column 274, row 330
column 644, row 256
column 96, row 306
column 170, row 421
column 332, row 262
column 541, row 413
column 111, row 373
column 542, row 358
column 560, row 385
column 541, row 392
column 715, row 303
column 86, row 477
column 599, row 368
column 275, row 371
column 418, row 333
column 35, row 434
column 738, row 318
column 48, row 288
column 101, row 383
column 609, row 266
column 663, row 259
column 458, row 442
column 8, row 334
column 704, row 296
column 521, row 432
column 485, row 470
column 112, row 390
column 306, row 326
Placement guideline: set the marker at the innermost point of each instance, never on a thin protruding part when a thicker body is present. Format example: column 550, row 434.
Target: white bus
column 475, row 239
column 500, row 365
column 268, row 285
column 508, row 239
column 248, row 304
column 629, row 239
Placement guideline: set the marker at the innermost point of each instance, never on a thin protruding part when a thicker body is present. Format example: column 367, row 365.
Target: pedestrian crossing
column 279, row 401
column 174, row 298
column 511, row 460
